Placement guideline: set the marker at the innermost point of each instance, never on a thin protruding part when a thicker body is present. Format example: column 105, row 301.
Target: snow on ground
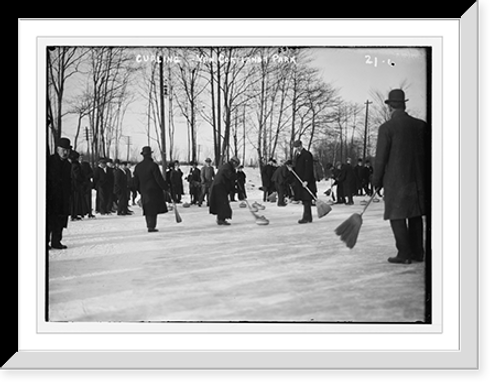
column 114, row 270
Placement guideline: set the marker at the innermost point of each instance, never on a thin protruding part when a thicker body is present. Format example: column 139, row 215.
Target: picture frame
column 250, row 349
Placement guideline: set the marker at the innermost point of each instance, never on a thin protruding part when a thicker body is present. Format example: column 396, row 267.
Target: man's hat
column 208, row 160
column 64, row 143
column 396, row 96
column 73, row 155
column 297, row 143
column 236, row 161
column 146, row 151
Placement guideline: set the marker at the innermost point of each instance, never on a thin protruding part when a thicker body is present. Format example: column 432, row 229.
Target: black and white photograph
column 257, row 196
column 256, row 184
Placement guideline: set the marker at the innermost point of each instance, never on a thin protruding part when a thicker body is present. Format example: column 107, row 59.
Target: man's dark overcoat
column 348, row 179
column 79, row 206
column 176, row 184
column 402, row 166
column 150, row 184
column 224, row 183
column 58, row 186
column 304, row 168
column 101, row 187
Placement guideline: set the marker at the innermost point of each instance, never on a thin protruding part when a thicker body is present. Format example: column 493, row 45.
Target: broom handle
column 369, row 201
column 300, row 180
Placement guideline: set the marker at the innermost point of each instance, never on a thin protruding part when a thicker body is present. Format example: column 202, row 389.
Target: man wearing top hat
column 402, row 168
column 151, row 185
column 58, row 193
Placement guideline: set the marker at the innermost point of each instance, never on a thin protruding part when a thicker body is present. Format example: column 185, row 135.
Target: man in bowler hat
column 58, row 193
column 402, row 168
column 151, row 185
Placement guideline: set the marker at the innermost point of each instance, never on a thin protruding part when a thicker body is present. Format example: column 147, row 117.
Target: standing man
column 281, row 179
column 402, row 167
column 176, row 183
column 304, row 168
column 241, row 179
column 207, row 177
column 131, row 192
column 150, row 184
column 194, row 179
column 87, row 187
column 58, row 193
column 348, row 180
column 120, row 189
column 367, row 178
column 267, row 175
column 100, row 185
column 110, row 184
column 337, row 170
column 224, row 183
column 78, row 205
column 359, row 172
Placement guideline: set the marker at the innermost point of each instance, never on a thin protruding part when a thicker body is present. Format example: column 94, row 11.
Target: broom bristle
column 322, row 208
column 349, row 230
column 177, row 215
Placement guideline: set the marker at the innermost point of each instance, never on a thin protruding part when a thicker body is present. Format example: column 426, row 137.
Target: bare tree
column 62, row 63
column 190, row 89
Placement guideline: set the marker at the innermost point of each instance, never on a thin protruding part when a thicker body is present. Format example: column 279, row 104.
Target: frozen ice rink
column 114, row 270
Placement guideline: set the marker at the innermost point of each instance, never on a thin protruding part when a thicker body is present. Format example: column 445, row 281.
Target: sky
column 356, row 72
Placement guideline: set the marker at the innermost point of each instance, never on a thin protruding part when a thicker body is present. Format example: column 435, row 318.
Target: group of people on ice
column 278, row 184
column 402, row 168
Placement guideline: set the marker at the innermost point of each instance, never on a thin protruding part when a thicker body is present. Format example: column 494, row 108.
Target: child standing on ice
column 240, row 184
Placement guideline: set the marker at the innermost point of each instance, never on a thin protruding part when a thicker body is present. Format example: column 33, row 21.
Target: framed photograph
column 248, row 194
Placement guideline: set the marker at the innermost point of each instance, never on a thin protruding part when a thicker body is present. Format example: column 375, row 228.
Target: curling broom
column 349, row 229
column 259, row 220
column 322, row 207
column 178, row 218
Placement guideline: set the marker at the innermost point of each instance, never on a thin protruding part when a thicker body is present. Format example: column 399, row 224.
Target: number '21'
column 374, row 62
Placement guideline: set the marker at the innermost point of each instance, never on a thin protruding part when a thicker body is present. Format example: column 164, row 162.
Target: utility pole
column 367, row 103
column 162, row 124
column 87, row 138
column 128, row 147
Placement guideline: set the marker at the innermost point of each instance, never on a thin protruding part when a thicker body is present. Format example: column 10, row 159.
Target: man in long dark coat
column 87, row 186
column 359, row 172
column 348, row 179
column 110, row 184
column 151, row 185
column 267, row 175
column 58, row 193
column 224, row 182
column 120, row 189
column 176, row 183
column 78, row 202
column 101, row 187
column 402, row 167
column 304, row 168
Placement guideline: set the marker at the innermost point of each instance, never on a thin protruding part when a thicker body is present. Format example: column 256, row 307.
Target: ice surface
column 114, row 270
